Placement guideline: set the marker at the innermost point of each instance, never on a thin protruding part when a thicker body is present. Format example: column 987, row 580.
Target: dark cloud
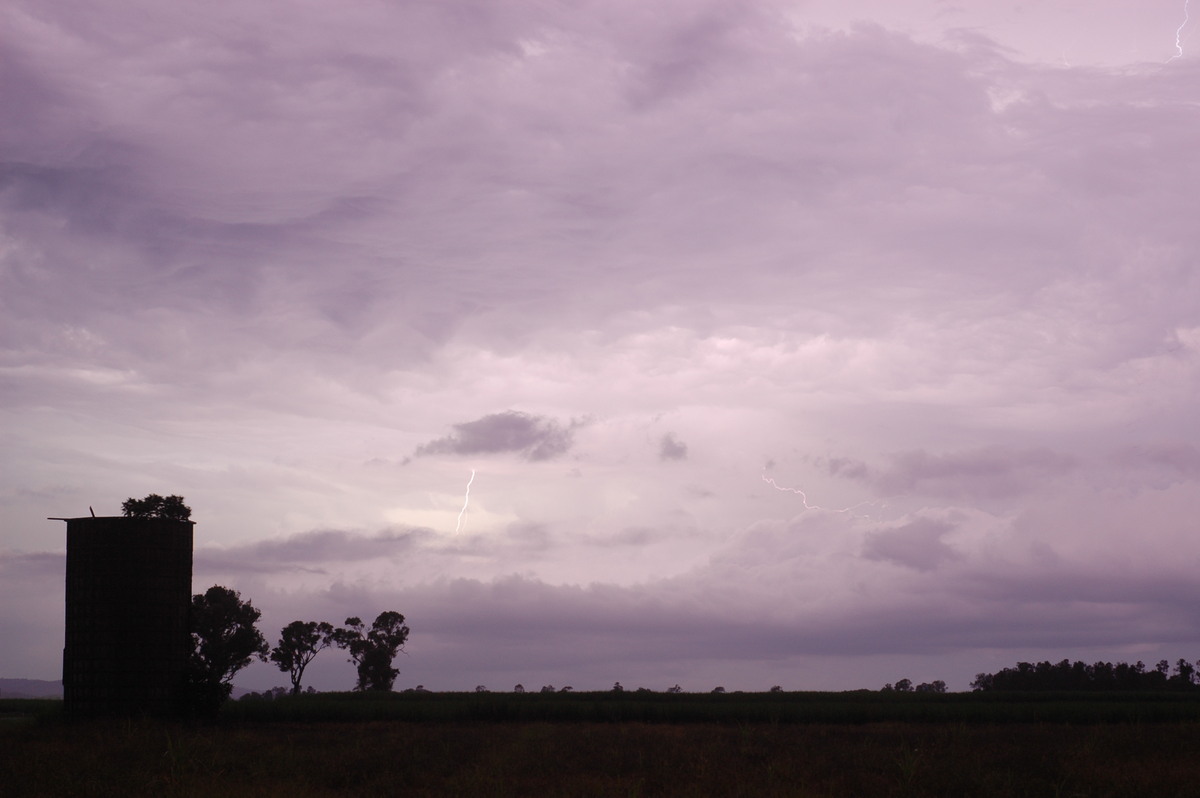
column 596, row 633
column 532, row 437
column 916, row 545
column 635, row 537
column 308, row 551
column 847, row 467
column 671, row 448
column 1181, row 459
column 35, row 563
column 991, row 473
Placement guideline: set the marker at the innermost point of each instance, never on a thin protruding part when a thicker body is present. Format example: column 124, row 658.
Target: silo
column 129, row 587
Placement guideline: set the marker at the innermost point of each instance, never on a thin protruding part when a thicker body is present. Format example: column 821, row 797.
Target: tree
column 299, row 642
column 224, row 640
column 155, row 506
column 1099, row 676
column 1184, row 676
column 904, row 686
column 373, row 650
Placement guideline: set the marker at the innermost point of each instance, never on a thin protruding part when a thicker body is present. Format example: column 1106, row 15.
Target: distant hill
column 30, row 688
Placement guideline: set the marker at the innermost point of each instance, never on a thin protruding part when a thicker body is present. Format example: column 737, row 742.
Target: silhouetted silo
column 129, row 587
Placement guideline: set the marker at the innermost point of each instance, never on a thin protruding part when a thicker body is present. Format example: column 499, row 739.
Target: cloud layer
column 775, row 346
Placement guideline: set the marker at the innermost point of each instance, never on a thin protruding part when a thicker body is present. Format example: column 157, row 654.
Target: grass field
column 601, row 744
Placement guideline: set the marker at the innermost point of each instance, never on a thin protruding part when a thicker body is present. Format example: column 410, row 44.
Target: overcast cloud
column 695, row 342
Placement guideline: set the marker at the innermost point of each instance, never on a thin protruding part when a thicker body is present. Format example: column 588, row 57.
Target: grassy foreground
column 249, row 754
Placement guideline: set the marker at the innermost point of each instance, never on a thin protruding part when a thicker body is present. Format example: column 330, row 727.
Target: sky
column 705, row 342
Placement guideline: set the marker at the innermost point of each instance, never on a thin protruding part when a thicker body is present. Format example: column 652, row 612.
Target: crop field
column 792, row 744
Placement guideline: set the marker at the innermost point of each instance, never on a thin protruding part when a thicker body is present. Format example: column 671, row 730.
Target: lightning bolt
column 466, row 501
column 804, row 498
column 1179, row 34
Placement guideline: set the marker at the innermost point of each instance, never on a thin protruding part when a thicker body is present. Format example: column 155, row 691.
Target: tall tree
column 372, row 650
column 224, row 640
column 155, row 506
column 299, row 642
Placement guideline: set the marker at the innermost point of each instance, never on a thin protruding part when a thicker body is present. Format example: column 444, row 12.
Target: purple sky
column 816, row 344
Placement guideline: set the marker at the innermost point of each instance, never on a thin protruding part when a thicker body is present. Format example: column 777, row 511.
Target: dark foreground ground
column 244, row 756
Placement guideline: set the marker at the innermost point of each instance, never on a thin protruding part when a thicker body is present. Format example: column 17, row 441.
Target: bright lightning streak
column 466, row 501
column 804, row 498
column 1179, row 33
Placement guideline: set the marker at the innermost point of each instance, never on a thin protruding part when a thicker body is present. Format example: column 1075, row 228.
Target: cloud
column 671, row 448
column 917, row 544
column 309, row 551
column 41, row 564
column 711, row 623
column 532, row 437
column 818, row 585
column 232, row 245
column 1181, row 459
column 995, row 472
column 847, row 467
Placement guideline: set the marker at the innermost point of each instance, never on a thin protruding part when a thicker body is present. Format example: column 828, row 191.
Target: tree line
column 906, row 686
column 1099, row 676
column 225, row 639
